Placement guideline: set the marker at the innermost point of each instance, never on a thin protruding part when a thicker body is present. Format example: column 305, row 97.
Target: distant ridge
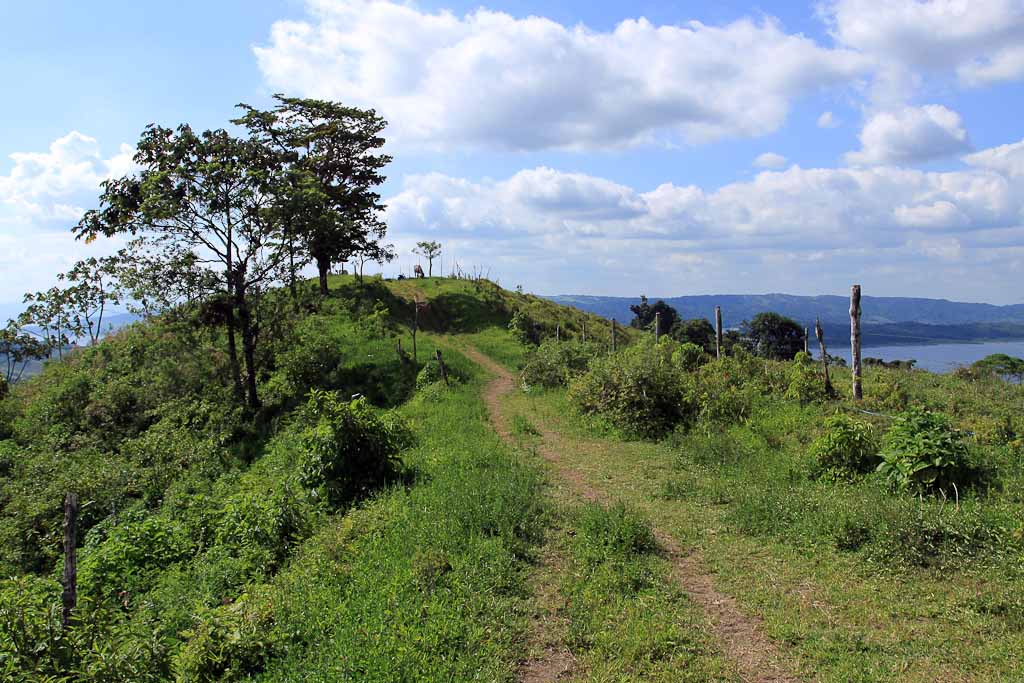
column 886, row 320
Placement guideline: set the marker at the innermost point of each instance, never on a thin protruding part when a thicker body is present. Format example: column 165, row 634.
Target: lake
column 943, row 357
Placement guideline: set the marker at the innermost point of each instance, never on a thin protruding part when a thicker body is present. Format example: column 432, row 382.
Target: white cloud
column 46, row 186
column 910, row 135
column 828, row 120
column 980, row 40
column 490, row 79
column 770, row 160
column 1006, row 159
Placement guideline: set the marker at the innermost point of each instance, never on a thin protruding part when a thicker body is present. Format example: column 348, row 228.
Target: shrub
column 349, row 448
column 314, row 355
column 30, row 634
column 430, row 373
column 523, row 329
column 725, row 392
column 261, row 525
column 847, row 448
column 690, row 356
column 638, row 390
column 806, row 384
column 555, row 364
column 923, row 452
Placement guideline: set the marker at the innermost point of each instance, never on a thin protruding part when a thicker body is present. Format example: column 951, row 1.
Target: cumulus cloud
column 911, row 135
column 47, row 186
column 980, row 40
column 781, row 229
column 770, row 160
column 490, row 79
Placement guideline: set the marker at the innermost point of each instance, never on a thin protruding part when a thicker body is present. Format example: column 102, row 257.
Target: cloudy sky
column 575, row 147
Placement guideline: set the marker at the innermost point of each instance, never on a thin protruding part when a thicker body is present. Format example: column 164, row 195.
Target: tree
column 93, row 286
column 209, row 197
column 429, row 251
column 644, row 315
column 1003, row 365
column 155, row 278
column 771, row 335
column 47, row 318
column 696, row 331
column 17, row 349
column 332, row 165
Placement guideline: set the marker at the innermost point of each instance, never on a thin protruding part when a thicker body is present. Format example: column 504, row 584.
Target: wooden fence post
column 584, row 331
column 657, row 327
column 820, row 334
column 69, row 596
column 613, row 335
column 858, row 392
column 440, row 363
column 558, row 332
column 718, row 331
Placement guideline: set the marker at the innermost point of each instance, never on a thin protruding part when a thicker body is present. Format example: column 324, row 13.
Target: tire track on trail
column 740, row 636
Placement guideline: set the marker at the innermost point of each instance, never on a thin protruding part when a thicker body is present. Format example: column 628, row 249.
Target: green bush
column 30, row 635
column 638, row 390
column 316, row 351
column 690, row 356
column 261, row 524
column 555, row 364
column 806, row 383
column 231, row 642
column 349, row 448
column 725, row 391
column 847, row 448
column 523, row 329
column 923, row 452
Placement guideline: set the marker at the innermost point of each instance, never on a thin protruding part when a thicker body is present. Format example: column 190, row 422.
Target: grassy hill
column 372, row 522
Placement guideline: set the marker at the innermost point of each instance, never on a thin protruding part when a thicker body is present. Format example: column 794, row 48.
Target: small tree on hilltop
column 429, row 251
column 644, row 315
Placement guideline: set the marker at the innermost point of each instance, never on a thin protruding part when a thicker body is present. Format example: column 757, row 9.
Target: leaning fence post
column 820, row 334
column 858, row 392
column 440, row 363
column 69, row 596
column 718, row 331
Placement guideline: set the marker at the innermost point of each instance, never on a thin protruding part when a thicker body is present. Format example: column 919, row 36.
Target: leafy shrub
column 523, row 329
column 349, row 448
column 806, row 384
column 30, row 635
column 231, row 642
column 261, row 524
column 725, row 392
column 690, row 356
column 638, row 390
column 923, row 452
column 430, row 373
column 847, row 448
column 314, row 355
column 555, row 364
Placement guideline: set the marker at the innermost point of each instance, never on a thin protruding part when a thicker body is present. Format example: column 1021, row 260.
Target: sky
column 666, row 148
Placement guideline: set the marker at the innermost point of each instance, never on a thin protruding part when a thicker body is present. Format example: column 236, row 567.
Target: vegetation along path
column 740, row 636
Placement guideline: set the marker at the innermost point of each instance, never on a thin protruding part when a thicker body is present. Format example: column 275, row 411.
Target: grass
column 846, row 615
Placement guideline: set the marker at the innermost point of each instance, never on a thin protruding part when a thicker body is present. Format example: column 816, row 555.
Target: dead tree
column 858, row 392
column 718, row 331
column 820, row 334
column 69, row 596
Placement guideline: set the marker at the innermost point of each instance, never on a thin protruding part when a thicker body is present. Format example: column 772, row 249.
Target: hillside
column 550, row 511
column 884, row 318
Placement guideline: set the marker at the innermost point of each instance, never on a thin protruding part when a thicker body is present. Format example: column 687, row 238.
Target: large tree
column 771, row 335
column 644, row 315
column 210, row 196
column 329, row 199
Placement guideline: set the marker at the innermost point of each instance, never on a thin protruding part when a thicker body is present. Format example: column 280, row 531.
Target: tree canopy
column 771, row 335
column 644, row 315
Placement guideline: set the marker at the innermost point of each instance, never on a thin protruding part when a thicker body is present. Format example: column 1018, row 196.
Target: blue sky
column 577, row 147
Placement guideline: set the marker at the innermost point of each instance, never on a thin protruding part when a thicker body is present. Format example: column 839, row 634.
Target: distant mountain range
column 885, row 320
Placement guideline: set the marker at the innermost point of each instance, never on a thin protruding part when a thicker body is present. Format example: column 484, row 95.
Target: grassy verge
column 848, row 613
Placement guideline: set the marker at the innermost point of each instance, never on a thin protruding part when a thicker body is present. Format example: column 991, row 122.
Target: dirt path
column 740, row 636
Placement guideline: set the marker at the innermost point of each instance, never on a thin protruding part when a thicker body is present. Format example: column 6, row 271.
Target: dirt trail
column 740, row 636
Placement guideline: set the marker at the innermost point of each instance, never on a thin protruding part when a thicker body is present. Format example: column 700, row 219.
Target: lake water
column 943, row 357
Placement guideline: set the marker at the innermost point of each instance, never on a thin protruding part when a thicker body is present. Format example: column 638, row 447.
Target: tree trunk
column 858, row 393
column 236, row 368
column 323, row 267
column 718, row 331
column 248, row 346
